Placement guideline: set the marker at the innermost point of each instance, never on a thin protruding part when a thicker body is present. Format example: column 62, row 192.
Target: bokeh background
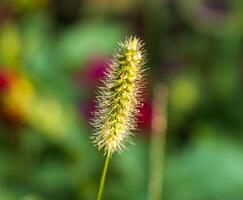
column 52, row 55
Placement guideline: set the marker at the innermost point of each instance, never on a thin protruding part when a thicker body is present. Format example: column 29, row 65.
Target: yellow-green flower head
column 120, row 97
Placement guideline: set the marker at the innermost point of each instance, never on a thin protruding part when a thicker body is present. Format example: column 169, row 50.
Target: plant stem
column 158, row 142
column 102, row 180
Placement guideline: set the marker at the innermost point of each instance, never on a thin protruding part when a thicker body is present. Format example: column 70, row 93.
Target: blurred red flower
column 16, row 92
column 145, row 117
column 6, row 78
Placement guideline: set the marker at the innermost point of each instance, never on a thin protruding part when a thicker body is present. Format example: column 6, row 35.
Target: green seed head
column 120, row 97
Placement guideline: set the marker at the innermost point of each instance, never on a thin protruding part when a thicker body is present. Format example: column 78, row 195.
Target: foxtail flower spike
column 119, row 97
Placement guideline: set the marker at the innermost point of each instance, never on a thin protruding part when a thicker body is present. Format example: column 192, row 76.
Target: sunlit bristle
column 120, row 97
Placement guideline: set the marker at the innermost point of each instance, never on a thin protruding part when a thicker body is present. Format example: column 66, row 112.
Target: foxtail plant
column 118, row 101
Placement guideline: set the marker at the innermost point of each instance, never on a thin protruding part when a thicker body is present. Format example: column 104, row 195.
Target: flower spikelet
column 119, row 97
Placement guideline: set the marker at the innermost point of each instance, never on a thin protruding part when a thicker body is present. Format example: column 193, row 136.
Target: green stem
column 102, row 180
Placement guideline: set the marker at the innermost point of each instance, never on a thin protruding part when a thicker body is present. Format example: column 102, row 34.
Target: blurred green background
column 52, row 55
